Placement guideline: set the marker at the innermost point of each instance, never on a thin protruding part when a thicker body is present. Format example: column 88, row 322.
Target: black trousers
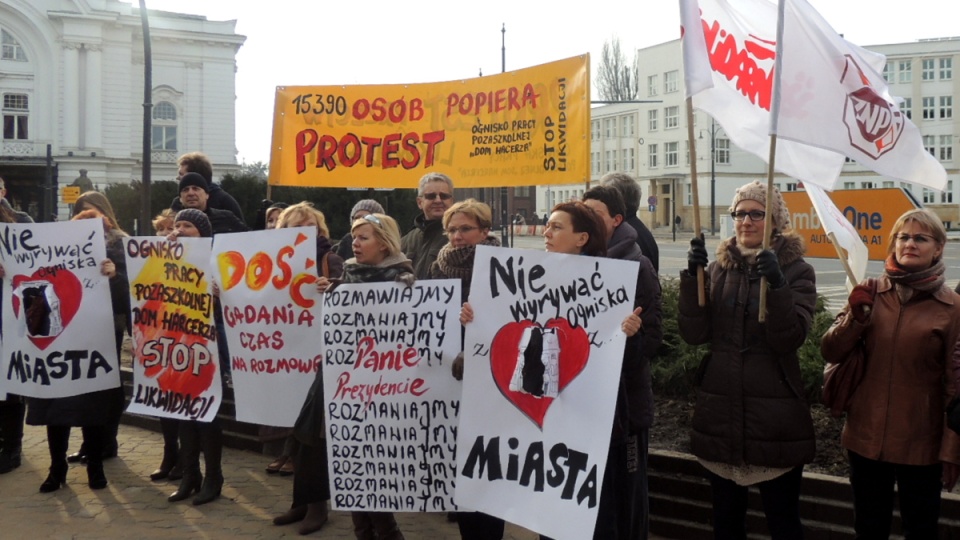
column 781, row 505
column 873, row 496
column 311, row 480
column 479, row 526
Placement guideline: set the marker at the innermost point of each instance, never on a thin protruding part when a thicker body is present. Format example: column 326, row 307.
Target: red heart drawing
column 574, row 353
column 67, row 289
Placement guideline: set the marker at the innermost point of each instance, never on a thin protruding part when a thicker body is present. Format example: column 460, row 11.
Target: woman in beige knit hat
column 751, row 423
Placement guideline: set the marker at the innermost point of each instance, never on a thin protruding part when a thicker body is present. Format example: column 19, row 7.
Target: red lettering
column 729, row 60
column 304, row 144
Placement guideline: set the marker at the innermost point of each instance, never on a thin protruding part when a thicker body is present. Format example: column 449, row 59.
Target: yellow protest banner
column 872, row 212
column 519, row 128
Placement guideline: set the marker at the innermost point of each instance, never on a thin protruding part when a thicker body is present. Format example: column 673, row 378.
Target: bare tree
column 616, row 79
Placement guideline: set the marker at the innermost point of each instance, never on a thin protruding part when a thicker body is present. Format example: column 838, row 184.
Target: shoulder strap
column 325, row 265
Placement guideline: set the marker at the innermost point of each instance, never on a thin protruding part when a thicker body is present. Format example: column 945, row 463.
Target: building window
column 867, row 185
column 671, row 117
column 907, row 107
column 595, row 130
column 929, row 196
column 927, row 69
column 929, row 141
column 652, row 153
column 164, row 127
column 611, row 160
column 609, row 127
column 626, row 125
column 671, row 154
column 722, row 151
column 946, row 69
column 906, row 71
column 888, row 71
column 947, row 195
column 652, row 120
column 670, row 83
column 16, row 115
column 887, row 184
column 652, row 85
column 946, row 107
column 689, row 194
column 929, row 108
column 11, row 47
column 686, row 152
column 946, row 148
column 629, row 159
column 595, row 162
column 791, row 186
column 849, row 185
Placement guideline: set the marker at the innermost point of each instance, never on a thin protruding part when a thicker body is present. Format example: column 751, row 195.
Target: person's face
column 749, row 231
column 559, row 236
column 436, row 198
column 182, row 171
column 272, row 217
column 194, row 197
column 915, row 248
column 601, row 209
column 186, row 229
column 464, row 231
column 165, row 227
column 366, row 248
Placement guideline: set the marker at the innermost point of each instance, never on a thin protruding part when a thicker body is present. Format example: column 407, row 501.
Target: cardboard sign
column 176, row 372
column 391, row 402
column 58, row 338
column 542, row 370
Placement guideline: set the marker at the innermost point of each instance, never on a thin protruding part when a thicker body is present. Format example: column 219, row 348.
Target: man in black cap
column 198, row 162
column 194, row 193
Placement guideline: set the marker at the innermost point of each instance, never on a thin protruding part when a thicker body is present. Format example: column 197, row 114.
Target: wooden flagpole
column 768, row 223
column 692, row 143
column 843, row 258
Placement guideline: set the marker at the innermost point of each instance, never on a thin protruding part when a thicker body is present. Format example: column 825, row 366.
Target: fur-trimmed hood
column 789, row 247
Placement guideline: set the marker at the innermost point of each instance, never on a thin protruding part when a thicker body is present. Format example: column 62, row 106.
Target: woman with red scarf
column 908, row 321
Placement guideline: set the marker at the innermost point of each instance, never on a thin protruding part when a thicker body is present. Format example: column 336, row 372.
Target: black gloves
column 769, row 267
column 697, row 255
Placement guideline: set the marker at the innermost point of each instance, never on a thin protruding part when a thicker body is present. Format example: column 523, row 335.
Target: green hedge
column 676, row 364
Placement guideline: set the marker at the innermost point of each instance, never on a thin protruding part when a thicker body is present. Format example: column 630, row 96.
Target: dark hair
column 585, row 220
column 199, row 163
column 609, row 196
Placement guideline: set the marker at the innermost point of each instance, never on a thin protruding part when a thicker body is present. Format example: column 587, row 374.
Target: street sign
column 871, row 211
column 69, row 194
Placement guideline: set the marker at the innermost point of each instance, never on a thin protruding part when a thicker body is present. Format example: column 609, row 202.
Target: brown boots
column 313, row 516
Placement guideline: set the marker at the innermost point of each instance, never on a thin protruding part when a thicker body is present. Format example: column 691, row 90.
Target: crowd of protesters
column 751, row 424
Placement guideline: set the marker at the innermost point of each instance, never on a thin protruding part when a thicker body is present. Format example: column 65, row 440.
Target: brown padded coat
column 897, row 412
column 750, row 407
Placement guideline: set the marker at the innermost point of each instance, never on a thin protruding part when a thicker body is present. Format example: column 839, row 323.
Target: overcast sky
column 324, row 42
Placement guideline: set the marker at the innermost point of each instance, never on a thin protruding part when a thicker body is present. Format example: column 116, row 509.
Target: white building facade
column 72, row 81
column 649, row 140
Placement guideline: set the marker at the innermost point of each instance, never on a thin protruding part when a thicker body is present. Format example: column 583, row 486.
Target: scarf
column 909, row 283
column 457, row 263
column 387, row 270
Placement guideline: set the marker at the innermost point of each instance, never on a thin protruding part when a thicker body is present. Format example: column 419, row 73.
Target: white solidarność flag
column 834, row 98
column 729, row 47
column 842, row 231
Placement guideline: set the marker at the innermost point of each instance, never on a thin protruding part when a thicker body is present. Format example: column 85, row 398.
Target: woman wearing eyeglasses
column 908, row 322
column 467, row 225
column 377, row 257
column 751, row 422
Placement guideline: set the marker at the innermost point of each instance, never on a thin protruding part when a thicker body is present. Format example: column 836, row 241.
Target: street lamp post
column 713, row 177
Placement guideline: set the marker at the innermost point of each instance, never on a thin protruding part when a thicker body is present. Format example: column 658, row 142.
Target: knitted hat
column 757, row 191
column 197, row 218
column 193, row 179
column 369, row 205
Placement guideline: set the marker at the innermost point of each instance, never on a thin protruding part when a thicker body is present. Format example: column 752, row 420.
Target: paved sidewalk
column 134, row 507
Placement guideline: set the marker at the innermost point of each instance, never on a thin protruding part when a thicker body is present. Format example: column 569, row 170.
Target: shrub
column 674, row 369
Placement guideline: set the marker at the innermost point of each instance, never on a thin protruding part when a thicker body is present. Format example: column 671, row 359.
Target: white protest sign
column 270, row 308
column 176, row 372
column 391, row 401
column 58, row 338
column 541, row 373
